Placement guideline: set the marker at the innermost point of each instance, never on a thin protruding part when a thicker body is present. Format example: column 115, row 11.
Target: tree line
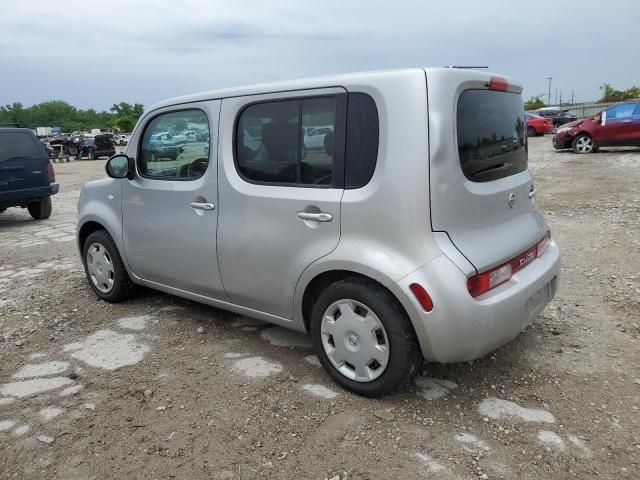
column 121, row 117
column 609, row 95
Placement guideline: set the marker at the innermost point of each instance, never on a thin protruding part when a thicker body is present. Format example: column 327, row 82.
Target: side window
column 319, row 119
column 620, row 111
column 362, row 140
column 168, row 153
column 287, row 142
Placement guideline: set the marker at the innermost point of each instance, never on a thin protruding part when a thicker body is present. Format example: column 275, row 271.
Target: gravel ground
column 160, row 387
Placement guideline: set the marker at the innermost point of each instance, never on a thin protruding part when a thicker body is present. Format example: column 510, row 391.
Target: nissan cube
column 390, row 215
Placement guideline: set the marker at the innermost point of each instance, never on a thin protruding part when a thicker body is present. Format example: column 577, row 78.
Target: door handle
column 202, row 206
column 627, row 121
column 315, row 217
column 533, row 192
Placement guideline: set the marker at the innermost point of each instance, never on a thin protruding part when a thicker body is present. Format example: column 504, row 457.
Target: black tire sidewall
column 40, row 210
column 404, row 352
column 123, row 288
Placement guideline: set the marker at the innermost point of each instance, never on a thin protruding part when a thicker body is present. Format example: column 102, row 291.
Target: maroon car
column 618, row 126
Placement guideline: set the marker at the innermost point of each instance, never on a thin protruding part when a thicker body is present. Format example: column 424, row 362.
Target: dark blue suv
column 26, row 173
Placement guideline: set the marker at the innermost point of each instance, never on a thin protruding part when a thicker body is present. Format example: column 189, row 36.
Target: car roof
column 16, row 130
column 327, row 81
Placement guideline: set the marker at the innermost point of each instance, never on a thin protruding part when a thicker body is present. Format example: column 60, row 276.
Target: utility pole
column 549, row 97
column 572, row 92
column 555, row 102
column 561, row 97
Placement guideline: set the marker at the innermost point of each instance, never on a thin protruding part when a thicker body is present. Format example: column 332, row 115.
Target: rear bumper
column 25, row 195
column 462, row 328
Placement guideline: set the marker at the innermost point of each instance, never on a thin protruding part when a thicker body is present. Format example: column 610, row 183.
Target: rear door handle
column 202, row 205
column 315, row 217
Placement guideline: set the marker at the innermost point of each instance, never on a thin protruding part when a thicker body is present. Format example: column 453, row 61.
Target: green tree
column 534, row 103
column 125, row 123
column 610, row 94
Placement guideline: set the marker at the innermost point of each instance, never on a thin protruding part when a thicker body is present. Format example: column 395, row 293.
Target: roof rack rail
column 467, row 66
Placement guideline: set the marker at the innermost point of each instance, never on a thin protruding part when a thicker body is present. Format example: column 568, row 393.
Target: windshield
column 491, row 135
column 18, row 145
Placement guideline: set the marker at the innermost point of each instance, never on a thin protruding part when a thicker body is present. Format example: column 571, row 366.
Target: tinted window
column 18, row 145
column 288, row 142
column 491, row 140
column 319, row 119
column 620, row 111
column 165, row 151
column 362, row 140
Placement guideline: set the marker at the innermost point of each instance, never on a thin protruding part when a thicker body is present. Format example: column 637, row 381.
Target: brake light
column 498, row 83
column 422, row 296
column 50, row 173
column 483, row 282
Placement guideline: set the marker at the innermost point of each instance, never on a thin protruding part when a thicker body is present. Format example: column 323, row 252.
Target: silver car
column 411, row 233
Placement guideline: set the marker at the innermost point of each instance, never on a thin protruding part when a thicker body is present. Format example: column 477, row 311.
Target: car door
column 169, row 209
column 618, row 127
column 279, row 201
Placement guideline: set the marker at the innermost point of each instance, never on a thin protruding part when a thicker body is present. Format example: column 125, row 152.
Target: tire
column 41, row 209
column 359, row 299
column 531, row 132
column 105, row 271
column 582, row 144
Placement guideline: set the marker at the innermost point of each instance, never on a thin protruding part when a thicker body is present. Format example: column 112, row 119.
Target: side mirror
column 120, row 166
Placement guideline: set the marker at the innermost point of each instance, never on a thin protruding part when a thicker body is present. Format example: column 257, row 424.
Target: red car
column 618, row 126
column 537, row 125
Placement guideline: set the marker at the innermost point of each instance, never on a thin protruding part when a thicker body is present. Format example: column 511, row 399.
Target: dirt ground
column 160, row 387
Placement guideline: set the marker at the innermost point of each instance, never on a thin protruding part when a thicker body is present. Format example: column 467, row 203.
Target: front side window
column 288, row 142
column 491, row 139
column 168, row 152
column 620, row 111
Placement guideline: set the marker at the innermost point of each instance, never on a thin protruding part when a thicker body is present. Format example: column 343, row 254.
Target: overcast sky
column 96, row 53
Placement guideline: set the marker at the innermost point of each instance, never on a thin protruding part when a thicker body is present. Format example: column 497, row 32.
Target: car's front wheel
column 104, row 268
column 531, row 132
column 583, row 143
column 41, row 209
column 363, row 337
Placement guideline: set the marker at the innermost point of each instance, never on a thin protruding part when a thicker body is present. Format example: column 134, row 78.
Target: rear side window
column 18, row 145
column 362, row 140
column 491, row 139
column 288, row 142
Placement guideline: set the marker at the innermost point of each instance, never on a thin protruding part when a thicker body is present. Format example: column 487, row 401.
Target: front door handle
column 315, row 217
column 202, row 205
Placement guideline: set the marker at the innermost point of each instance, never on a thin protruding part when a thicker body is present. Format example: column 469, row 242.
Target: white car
column 314, row 137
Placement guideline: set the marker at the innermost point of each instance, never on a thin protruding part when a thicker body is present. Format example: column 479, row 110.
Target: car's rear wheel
column 583, row 143
column 531, row 132
column 104, row 268
column 41, row 209
column 363, row 337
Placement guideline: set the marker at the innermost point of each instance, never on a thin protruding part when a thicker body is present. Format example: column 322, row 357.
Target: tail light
column 50, row 173
column 483, row 282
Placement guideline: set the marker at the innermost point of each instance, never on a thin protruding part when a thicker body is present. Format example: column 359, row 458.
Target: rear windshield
column 491, row 140
column 17, row 145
